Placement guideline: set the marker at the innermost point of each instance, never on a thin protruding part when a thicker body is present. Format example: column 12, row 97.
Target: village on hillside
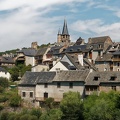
column 64, row 66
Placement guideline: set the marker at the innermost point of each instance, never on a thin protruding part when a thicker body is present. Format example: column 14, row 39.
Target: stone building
column 99, row 46
column 35, row 87
column 64, row 37
column 102, row 81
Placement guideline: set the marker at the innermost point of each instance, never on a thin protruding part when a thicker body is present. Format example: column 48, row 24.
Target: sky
column 25, row 21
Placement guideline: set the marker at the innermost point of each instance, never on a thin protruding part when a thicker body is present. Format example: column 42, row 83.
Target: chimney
column 89, row 40
column 34, row 45
column 80, row 59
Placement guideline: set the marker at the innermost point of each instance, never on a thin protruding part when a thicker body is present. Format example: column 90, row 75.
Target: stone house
column 26, row 56
column 35, row 87
column 77, row 62
column 116, row 60
column 99, row 46
column 104, row 62
column 7, row 61
column 102, row 81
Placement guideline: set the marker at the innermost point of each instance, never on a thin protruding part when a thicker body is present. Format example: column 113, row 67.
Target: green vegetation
column 72, row 106
column 9, row 51
column 105, row 106
column 43, row 45
column 18, row 71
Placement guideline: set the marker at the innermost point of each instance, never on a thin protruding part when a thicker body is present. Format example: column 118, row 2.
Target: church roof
column 65, row 29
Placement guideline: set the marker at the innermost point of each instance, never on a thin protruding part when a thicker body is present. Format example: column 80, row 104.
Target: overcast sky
column 26, row 21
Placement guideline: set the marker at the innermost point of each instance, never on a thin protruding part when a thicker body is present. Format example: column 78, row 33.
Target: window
column 99, row 53
column 45, row 95
column 23, row 94
column 118, row 64
column 31, row 94
column 114, row 88
column 58, row 85
column 45, row 85
column 70, row 85
column 96, row 78
column 112, row 78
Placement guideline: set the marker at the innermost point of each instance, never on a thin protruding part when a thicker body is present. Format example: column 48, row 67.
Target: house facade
column 35, row 87
column 102, row 81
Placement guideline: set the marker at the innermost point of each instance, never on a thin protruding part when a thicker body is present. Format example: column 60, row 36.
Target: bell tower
column 64, row 38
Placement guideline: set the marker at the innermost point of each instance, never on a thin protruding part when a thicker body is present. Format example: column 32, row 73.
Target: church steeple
column 65, row 29
column 59, row 32
column 64, row 38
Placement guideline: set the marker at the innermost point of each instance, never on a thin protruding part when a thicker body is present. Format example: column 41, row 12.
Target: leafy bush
column 4, row 82
column 15, row 101
column 36, row 112
column 3, row 98
column 1, row 107
column 28, row 117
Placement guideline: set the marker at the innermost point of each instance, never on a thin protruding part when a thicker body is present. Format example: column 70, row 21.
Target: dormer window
column 71, row 49
column 96, row 78
column 112, row 78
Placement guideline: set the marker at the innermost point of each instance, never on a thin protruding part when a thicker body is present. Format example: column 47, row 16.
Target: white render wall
column 59, row 66
column 29, row 60
column 5, row 75
column 57, row 93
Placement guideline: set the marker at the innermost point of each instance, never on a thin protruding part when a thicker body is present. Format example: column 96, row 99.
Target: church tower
column 64, row 38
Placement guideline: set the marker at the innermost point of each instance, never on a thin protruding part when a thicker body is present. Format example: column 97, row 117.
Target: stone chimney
column 80, row 59
column 34, row 45
column 89, row 40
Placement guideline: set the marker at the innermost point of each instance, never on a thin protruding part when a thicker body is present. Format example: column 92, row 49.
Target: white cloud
column 97, row 27
column 114, row 9
column 23, row 22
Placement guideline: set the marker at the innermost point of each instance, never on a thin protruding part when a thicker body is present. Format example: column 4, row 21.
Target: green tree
column 28, row 117
column 102, row 107
column 15, row 101
column 72, row 106
column 49, row 102
column 36, row 112
column 4, row 116
column 4, row 82
column 52, row 114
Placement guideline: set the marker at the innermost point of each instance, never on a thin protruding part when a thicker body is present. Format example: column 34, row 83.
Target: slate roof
column 7, row 60
column 77, row 48
column 105, row 57
column 66, row 64
column 41, row 51
column 116, row 52
column 65, row 29
column 55, row 50
column 28, row 52
column 97, row 40
column 71, row 75
column 74, row 60
column 85, row 60
column 32, row 78
column 103, row 77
